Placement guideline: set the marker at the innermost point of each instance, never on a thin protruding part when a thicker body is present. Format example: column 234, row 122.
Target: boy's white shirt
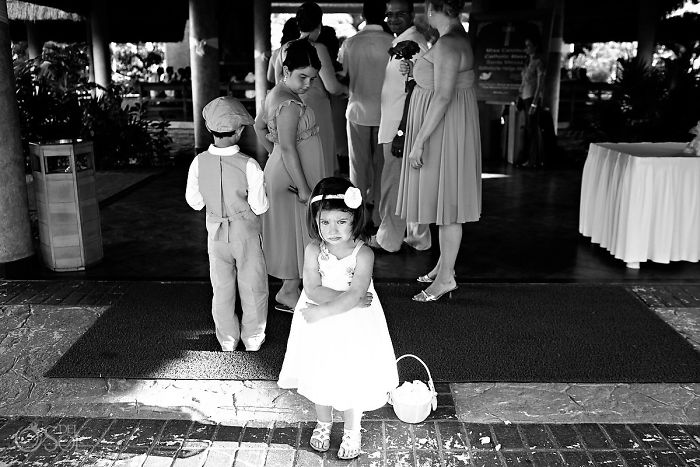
column 257, row 198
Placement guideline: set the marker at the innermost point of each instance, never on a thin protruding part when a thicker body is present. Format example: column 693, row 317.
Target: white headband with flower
column 352, row 197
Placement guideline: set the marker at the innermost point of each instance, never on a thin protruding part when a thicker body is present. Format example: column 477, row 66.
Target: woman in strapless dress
column 441, row 175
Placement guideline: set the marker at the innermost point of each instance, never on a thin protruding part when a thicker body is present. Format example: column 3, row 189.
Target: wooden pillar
column 99, row 32
column 15, row 233
column 34, row 42
column 261, row 43
column 647, row 21
column 204, row 61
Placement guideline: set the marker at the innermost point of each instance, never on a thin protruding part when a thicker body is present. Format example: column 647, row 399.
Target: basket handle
column 430, row 377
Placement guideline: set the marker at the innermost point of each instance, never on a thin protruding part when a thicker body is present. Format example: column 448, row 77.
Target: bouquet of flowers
column 694, row 146
column 404, row 50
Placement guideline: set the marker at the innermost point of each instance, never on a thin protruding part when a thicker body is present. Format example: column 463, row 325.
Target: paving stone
column 565, row 436
column 95, row 296
column 621, row 436
column 508, row 436
column 678, row 438
column 666, row 457
column 108, row 448
column 456, row 458
column 308, row 458
column 9, row 290
column 452, row 435
column 63, row 442
column 372, row 437
column 229, row 433
column 397, row 435
column 486, row 459
column 284, row 436
column 400, row 458
column 476, row 432
column 307, row 429
column 382, row 413
column 425, row 436
column 536, row 436
column 694, row 432
column 691, row 457
column 636, row 458
column 250, row 457
column 143, row 437
column 427, row 458
column 28, row 292
column 255, row 436
column 607, row 458
column 444, row 412
column 368, row 459
column 280, row 458
column 576, row 458
column 443, row 388
column 516, row 458
column 593, row 437
column 649, row 436
column 171, row 439
column 445, row 399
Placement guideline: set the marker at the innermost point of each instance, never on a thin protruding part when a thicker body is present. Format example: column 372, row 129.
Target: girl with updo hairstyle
column 451, row 8
column 290, row 31
column 440, row 179
column 308, row 18
column 288, row 129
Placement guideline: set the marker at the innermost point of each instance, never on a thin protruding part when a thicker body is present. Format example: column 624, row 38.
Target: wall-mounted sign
column 499, row 50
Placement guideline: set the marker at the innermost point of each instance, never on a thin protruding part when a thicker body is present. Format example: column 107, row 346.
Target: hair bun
column 449, row 7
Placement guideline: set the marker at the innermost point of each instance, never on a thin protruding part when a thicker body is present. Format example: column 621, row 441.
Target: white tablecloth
column 641, row 201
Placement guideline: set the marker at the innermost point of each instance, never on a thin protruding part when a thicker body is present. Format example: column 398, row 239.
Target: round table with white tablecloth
column 641, row 201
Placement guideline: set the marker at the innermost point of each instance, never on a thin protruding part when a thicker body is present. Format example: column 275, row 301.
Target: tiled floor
column 386, row 442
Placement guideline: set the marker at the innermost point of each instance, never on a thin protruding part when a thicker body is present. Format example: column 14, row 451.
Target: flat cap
column 226, row 114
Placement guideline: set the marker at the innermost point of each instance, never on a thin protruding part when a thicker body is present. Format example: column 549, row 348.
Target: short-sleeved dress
column 346, row 361
column 447, row 189
column 285, row 233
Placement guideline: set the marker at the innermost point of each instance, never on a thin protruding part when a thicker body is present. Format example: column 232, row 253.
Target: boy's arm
column 192, row 195
column 349, row 299
column 312, row 277
column 257, row 198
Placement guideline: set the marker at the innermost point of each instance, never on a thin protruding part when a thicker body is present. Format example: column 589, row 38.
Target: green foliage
column 57, row 101
column 658, row 103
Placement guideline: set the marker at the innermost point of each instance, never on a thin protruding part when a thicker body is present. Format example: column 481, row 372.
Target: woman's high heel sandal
column 321, row 437
column 425, row 279
column 424, row 296
column 350, row 446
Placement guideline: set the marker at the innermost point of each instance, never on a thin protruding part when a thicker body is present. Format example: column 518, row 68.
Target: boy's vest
column 224, row 187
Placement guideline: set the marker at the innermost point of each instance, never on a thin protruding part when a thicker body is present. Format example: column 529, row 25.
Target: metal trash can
column 69, row 218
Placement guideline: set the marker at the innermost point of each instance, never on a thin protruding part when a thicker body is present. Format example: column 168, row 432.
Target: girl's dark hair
column 300, row 54
column 451, row 8
column 334, row 186
column 290, row 31
column 309, row 16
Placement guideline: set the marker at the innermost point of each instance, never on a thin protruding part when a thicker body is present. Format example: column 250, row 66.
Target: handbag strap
column 409, row 90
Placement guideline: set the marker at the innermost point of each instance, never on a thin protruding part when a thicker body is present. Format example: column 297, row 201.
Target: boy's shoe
column 254, row 347
column 284, row 308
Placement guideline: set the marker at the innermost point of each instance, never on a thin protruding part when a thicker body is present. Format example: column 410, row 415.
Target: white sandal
column 350, row 446
column 322, row 436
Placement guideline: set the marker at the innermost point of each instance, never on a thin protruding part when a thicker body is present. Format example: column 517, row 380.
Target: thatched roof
column 25, row 11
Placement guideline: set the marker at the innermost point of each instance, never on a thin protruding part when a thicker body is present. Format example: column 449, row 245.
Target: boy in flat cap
column 231, row 186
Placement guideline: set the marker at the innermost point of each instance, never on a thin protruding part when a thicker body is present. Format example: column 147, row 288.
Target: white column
column 261, row 45
column 15, row 233
column 204, row 61
column 101, row 56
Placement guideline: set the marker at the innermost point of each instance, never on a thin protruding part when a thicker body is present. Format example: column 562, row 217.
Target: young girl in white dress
column 339, row 353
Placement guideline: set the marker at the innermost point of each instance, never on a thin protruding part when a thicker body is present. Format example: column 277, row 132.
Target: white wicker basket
column 414, row 411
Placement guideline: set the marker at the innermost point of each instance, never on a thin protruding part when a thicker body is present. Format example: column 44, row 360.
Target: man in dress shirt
column 392, row 229
column 364, row 57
